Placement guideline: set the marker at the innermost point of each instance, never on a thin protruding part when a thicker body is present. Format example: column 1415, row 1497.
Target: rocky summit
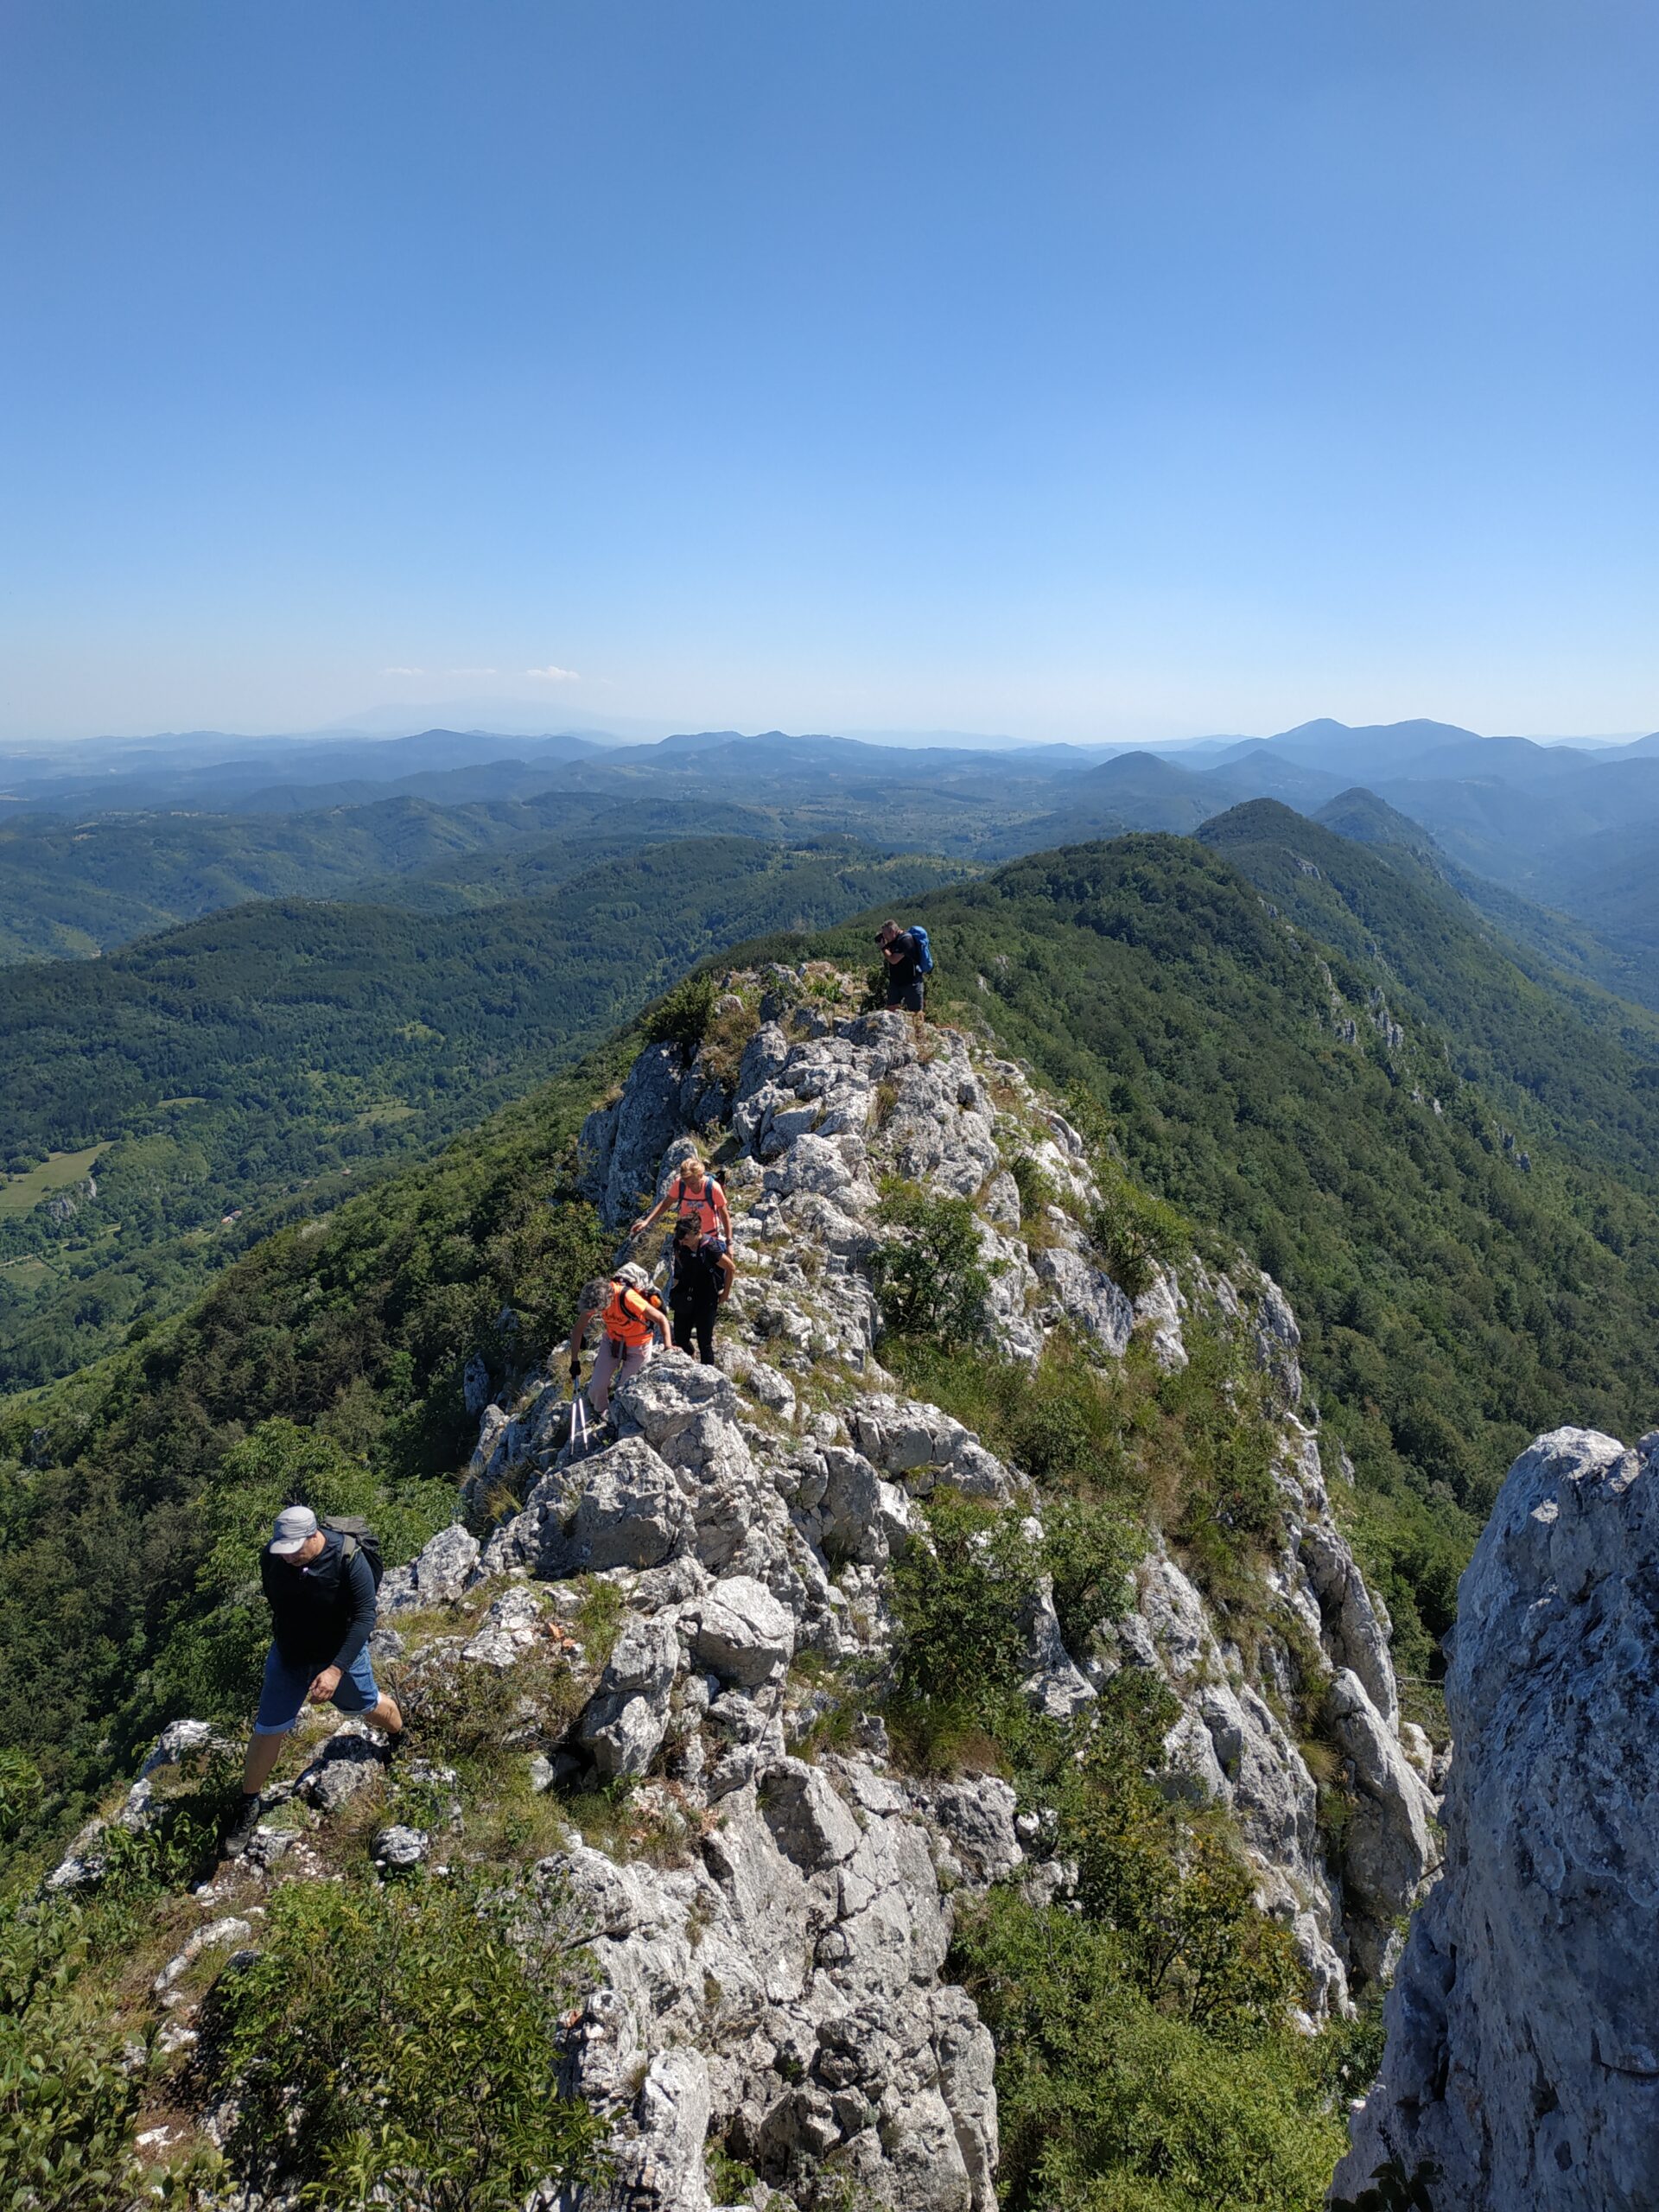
column 679, row 1612
column 1523, row 2054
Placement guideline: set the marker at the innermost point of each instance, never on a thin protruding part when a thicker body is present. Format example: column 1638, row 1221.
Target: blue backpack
column 925, row 964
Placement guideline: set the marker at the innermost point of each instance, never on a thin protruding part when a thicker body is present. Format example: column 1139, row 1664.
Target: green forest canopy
column 252, row 1064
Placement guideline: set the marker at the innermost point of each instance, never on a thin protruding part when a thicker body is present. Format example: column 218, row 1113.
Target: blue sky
column 1064, row 367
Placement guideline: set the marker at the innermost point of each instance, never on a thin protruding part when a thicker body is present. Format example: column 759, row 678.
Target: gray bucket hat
column 294, row 1528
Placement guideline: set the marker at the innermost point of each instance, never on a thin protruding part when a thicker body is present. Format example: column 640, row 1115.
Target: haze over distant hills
column 104, row 841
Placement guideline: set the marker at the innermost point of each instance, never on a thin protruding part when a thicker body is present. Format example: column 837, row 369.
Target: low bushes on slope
column 127, row 1494
column 1109, row 2103
column 1146, row 2056
column 391, row 2042
column 1148, row 2061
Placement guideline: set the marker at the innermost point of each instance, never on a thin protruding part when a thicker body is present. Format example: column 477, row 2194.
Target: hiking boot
column 236, row 1833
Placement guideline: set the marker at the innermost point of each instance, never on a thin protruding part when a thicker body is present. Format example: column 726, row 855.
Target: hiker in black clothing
column 905, row 954
column 702, row 1276
column 321, row 1589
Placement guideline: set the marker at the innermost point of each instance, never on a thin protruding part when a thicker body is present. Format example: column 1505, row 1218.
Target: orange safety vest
column 702, row 1206
column 623, row 1319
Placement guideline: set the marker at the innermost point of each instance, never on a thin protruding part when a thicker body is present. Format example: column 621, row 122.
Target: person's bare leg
column 598, row 1382
column 264, row 1752
column 385, row 1715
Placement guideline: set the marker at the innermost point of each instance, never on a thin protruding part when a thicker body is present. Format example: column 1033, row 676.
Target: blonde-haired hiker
column 693, row 1192
column 631, row 1314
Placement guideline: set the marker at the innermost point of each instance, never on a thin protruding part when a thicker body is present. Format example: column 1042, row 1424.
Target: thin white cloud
column 551, row 675
column 402, row 672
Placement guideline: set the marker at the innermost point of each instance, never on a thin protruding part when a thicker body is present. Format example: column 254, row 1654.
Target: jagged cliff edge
column 1523, row 2054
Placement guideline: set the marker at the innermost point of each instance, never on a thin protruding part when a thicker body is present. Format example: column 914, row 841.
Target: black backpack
column 359, row 1537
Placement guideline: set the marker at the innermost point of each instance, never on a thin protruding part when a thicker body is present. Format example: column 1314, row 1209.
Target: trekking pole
column 578, row 1419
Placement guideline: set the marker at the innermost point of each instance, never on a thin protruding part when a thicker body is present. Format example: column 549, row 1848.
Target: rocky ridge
column 1523, row 2053
column 776, row 1985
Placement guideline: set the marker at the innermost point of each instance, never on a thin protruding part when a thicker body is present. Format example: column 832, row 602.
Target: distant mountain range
column 104, row 843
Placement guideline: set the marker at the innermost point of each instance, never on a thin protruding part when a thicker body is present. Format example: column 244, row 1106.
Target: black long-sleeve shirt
column 322, row 1614
column 906, row 972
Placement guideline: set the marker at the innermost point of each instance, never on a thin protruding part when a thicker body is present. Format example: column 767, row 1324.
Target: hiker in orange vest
column 693, row 1192
column 631, row 1314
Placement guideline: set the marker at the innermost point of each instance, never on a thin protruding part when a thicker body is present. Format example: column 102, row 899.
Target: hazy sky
column 1066, row 367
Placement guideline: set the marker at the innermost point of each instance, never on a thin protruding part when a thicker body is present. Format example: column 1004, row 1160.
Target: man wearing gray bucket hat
column 320, row 1585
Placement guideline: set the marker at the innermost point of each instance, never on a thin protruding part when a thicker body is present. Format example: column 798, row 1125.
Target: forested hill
column 71, row 889
column 1507, row 1013
column 247, row 1064
column 1471, row 1261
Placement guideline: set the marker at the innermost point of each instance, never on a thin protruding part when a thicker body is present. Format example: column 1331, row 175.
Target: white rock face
column 920, row 1445
column 777, row 1987
column 621, row 1145
column 1523, row 2054
column 627, row 1717
column 740, row 1633
column 1390, row 1842
column 1087, row 1293
column 787, row 1987
column 445, row 1571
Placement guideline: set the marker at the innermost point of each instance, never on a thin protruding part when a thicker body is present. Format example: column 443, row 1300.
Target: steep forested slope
column 1569, row 949
column 251, row 1061
column 1306, row 1102
column 353, row 1331
column 1513, row 1022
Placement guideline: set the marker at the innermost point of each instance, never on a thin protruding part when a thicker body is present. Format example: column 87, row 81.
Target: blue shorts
column 282, row 1696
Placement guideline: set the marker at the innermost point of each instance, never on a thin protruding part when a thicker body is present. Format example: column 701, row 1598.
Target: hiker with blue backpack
column 321, row 1580
column 909, row 958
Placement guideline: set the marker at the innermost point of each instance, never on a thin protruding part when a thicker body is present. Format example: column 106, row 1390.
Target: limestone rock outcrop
column 1523, row 2054
column 705, row 1595
column 793, row 1978
column 742, row 1529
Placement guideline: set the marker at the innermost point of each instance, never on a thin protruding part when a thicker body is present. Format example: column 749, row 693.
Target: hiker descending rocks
column 631, row 1314
column 909, row 958
column 695, row 1195
column 704, row 1272
column 322, row 1584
